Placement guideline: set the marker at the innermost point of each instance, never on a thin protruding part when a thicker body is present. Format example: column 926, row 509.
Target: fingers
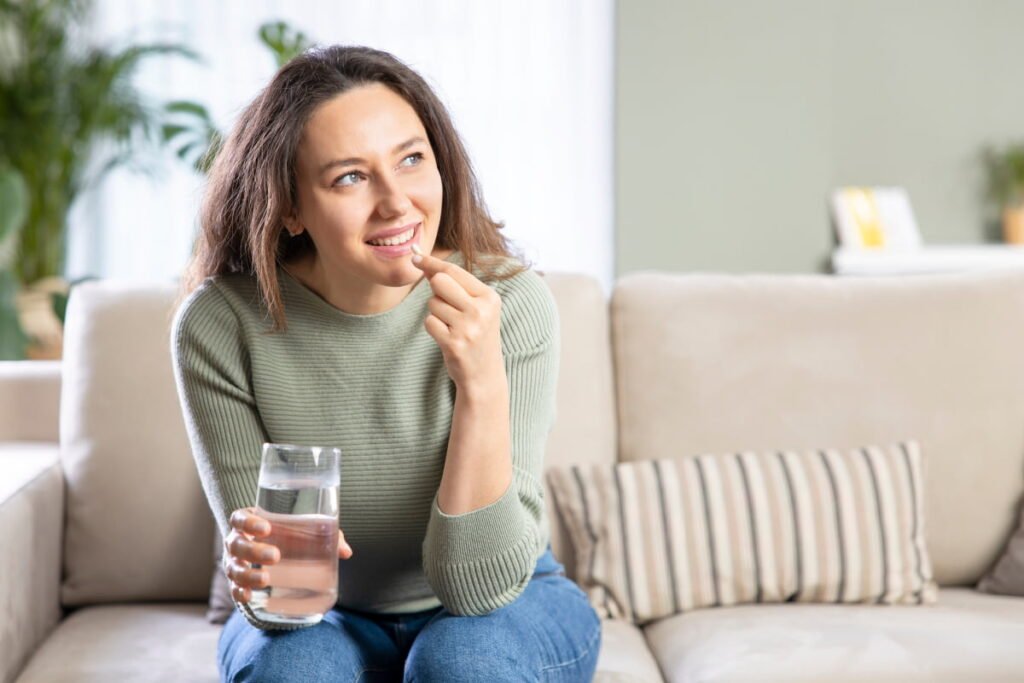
column 247, row 521
column 247, row 578
column 443, row 311
column 250, row 551
column 244, row 551
column 447, row 288
column 432, row 266
column 437, row 329
column 240, row 594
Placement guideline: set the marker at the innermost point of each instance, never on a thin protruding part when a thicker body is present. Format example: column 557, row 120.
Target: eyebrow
column 352, row 161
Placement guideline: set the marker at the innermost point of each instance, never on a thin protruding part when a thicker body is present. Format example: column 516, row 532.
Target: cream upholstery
column 141, row 643
column 121, row 423
column 30, row 401
column 715, row 363
column 625, row 656
column 31, row 517
column 967, row 636
column 584, row 430
column 701, row 363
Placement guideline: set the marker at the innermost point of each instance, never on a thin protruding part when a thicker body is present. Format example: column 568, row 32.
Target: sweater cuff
column 262, row 625
column 480, row 560
column 478, row 534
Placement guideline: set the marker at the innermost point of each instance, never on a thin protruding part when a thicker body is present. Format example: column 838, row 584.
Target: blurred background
column 610, row 137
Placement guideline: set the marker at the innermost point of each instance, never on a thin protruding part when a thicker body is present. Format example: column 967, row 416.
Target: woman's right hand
column 242, row 549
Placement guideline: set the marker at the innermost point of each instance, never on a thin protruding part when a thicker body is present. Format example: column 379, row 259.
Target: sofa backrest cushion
column 708, row 363
column 138, row 525
column 584, row 431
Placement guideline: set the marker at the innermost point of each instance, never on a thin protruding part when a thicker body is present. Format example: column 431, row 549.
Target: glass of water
column 298, row 495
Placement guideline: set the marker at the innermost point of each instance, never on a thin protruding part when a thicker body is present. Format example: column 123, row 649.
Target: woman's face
column 365, row 171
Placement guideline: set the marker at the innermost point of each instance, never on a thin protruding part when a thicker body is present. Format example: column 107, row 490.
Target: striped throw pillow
column 659, row 537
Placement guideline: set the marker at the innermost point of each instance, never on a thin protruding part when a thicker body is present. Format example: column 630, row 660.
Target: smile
column 398, row 245
column 397, row 239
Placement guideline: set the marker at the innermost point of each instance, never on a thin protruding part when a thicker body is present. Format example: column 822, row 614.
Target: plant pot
column 39, row 320
column 1013, row 224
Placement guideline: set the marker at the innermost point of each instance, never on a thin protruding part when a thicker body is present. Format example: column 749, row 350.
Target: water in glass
column 300, row 500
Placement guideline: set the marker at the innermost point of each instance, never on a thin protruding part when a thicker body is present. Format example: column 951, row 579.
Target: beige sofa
column 106, row 536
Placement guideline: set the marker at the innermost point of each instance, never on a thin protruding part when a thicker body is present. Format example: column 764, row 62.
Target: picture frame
column 874, row 218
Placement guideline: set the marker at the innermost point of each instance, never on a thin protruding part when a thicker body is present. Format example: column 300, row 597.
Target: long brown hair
column 252, row 184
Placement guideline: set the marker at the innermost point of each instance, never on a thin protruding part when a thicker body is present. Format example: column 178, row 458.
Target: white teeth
column 397, row 239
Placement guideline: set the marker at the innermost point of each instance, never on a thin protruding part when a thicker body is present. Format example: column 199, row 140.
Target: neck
column 353, row 296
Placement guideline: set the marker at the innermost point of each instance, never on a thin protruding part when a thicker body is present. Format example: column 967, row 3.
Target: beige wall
column 735, row 118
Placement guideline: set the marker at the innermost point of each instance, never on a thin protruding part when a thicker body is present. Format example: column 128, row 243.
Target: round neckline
column 322, row 303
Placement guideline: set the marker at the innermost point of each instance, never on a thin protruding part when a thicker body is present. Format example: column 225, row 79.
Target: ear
column 293, row 225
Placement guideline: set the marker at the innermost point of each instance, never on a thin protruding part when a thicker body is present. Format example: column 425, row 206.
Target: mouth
column 397, row 244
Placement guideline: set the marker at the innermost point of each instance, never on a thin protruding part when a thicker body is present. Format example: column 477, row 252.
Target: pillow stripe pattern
column 660, row 537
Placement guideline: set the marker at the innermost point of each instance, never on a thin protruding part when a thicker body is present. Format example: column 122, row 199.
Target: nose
column 393, row 200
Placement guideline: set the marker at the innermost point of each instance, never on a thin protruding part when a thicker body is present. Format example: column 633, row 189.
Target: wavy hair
column 252, row 181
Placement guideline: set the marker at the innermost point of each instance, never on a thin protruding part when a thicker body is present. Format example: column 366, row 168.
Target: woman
column 307, row 318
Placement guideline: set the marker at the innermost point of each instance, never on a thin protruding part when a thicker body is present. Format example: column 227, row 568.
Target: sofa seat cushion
column 142, row 643
column 966, row 636
column 625, row 657
column 173, row 643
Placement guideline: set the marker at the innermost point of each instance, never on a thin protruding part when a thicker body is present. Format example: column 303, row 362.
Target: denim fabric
column 549, row 633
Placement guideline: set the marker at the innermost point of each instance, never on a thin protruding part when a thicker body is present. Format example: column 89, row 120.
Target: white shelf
column 927, row 259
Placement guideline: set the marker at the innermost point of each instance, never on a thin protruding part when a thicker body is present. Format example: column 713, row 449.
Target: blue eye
column 337, row 181
column 418, row 156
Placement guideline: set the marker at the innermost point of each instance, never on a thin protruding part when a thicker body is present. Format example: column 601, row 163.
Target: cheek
column 347, row 219
column 430, row 191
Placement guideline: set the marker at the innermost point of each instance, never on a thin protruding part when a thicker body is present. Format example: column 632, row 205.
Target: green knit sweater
column 376, row 387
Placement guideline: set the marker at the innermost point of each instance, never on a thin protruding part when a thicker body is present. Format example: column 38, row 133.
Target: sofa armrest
column 30, row 401
column 31, row 520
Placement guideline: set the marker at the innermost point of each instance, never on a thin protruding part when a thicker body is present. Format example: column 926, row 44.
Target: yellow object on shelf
column 874, row 219
column 866, row 217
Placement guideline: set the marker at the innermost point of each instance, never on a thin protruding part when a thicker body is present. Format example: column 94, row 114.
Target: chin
column 402, row 276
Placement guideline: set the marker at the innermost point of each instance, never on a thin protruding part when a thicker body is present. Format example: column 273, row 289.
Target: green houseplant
column 190, row 131
column 1004, row 169
column 13, row 209
column 69, row 115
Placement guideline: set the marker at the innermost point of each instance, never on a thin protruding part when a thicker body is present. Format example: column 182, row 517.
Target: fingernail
column 262, row 527
column 416, row 258
column 267, row 555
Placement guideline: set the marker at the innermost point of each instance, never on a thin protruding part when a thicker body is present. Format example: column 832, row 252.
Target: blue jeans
column 549, row 633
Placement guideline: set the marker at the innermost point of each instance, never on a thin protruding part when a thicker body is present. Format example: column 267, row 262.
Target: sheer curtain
column 529, row 85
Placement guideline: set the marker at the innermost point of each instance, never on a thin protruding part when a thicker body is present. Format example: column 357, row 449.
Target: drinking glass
column 298, row 495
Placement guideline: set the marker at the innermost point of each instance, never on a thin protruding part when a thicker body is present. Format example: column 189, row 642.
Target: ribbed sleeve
column 210, row 363
column 482, row 560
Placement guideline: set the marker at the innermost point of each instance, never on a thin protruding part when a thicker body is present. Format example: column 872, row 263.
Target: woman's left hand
column 465, row 321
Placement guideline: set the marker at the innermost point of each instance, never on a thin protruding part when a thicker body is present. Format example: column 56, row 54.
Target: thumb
column 344, row 549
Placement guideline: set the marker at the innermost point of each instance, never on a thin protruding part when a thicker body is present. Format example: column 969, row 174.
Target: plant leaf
column 186, row 107
column 13, row 203
column 284, row 41
column 13, row 340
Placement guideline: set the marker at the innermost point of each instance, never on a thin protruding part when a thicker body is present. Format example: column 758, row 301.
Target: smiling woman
column 345, row 145
column 342, row 213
